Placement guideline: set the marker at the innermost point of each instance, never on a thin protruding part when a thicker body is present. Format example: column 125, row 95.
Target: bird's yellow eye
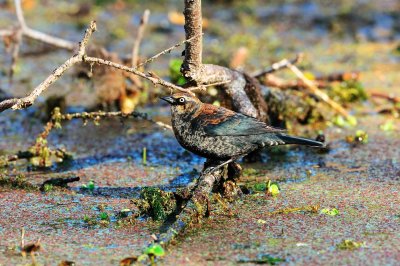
column 181, row 100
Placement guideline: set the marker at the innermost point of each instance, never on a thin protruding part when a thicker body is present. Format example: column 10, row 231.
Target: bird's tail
column 299, row 141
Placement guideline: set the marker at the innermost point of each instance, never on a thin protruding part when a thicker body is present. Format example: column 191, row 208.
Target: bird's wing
column 218, row 121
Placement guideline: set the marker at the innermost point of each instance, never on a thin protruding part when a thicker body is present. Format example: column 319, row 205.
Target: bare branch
column 101, row 114
column 4, row 32
column 151, row 59
column 154, row 79
column 389, row 97
column 139, row 37
column 320, row 94
column 277, row 66
column 20, row 13
column 21, row 103
column 30, row 99
column 37, row 35
column 15, row 52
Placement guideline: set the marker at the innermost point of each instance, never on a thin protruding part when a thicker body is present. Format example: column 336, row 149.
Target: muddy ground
column 361, row 181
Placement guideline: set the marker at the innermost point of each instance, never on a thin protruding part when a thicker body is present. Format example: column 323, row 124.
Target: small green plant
column 340, row 121
column 330, row 212
column 154, row 251
column 273, row 188
column 48, row 187
column 260, row 187
column 89, row 186
column 104, row 216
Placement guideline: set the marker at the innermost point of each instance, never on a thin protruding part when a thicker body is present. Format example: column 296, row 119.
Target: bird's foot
column 212, row 169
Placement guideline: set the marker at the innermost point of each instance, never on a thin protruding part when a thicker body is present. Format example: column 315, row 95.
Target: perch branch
column 244, row 92
column 196, row 208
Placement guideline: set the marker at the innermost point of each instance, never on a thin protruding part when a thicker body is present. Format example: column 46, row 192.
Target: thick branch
column 196, row 207
column 193, row 52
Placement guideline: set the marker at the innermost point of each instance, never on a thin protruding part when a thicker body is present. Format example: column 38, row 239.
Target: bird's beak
column 168, row 99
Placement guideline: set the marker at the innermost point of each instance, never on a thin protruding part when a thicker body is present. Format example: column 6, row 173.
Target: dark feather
column 236, row 124
column 300, row 141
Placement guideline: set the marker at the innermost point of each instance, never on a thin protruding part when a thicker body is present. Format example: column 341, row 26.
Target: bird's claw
column 209, row 170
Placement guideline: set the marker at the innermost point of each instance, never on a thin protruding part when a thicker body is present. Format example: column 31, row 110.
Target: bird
column 220, row 134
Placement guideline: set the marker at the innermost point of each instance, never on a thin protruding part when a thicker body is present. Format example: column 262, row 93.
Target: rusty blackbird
column 220, row 134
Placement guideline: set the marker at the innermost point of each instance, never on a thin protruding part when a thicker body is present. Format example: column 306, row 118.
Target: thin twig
column 151, row 59
column 40, row 36
column 389, row 97
column 154, row 79
column 15, row 53
column 277, row 66
column 4, row 32
column 101, row 114
column 139, row 37
column 320, row 94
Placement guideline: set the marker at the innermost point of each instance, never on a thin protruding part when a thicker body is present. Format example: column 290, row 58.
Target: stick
column 389, row 97
column 151, row 59
column 139, row 37
column 59, row 182
column 40, row 36
column 277, row 66
column 101, row 114
column 320, row 94
column 155, row 80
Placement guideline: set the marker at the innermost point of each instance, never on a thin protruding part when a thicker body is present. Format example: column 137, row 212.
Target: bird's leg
column 209, row 170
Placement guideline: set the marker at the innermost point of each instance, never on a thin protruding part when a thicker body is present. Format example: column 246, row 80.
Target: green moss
column 18, row 182
column 348, row 91
column 156, row 203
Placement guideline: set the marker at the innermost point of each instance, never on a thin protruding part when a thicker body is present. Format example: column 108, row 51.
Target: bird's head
column 182, row 103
